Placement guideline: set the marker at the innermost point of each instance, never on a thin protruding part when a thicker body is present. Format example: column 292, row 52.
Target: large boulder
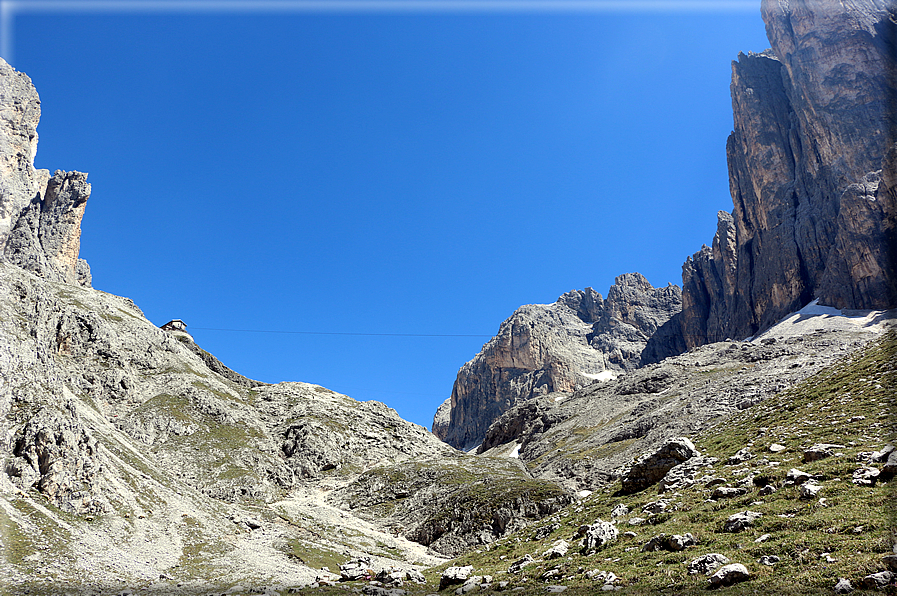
column 730, row 574
column 650, row 468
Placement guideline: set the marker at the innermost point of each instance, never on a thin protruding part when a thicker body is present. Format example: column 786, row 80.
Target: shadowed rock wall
column 813, row 204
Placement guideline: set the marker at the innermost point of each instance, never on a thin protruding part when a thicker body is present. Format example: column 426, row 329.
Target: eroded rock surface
column 560, row 347
column 40, row 215
column 811, row 168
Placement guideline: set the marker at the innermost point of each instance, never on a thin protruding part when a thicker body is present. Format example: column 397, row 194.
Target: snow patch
column 516, row 451
column 583, row 494
column 815, row 317
column 605, row 375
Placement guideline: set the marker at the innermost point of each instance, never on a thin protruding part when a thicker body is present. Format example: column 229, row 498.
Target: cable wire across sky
column 342, row 333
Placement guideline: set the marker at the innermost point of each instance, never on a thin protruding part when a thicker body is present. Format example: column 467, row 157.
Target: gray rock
column 652, row 467
column 707, row 563
column 843, row 586
column 889, row 470
column 558, row 549
column 865, row 476
column 776, row 448
column 596, row 535
column 820, row 451
column 728, row 492
column 519, row 564
column 882, row 455
column 620, row 510
column 673, row 543
column 809, row 490
column 730, row 574
column 795, row 476
column 543, row 349
column 769, row 560
column 741, row 456
column 455, row 575
column 741, row 521
column 890, row 561
column 655, row 507
column 766, row 490
column 801, row 218
column 876, row 581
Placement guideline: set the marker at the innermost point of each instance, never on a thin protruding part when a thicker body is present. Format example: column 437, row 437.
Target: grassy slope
column 856, row 525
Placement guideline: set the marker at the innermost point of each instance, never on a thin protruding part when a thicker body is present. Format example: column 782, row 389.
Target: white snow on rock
column 605, row 375
column 814, row 317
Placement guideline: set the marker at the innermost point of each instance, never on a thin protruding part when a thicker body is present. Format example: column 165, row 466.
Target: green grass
column 855, row 525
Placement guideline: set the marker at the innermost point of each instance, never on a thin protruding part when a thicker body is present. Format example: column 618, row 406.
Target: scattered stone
column 740, row 521
column 889, row 470
column 728, row 492
column 656, row 506
column 629, row 534
column 809, row 490
column 766, row 490
column 740, row 457
column 672, row 543
column 876, row 581
column 707, row 563
column 620, row 510
column 795, row 476
column 882, row 455
column 391, row 576
column 650, row 468
column 597, row 535
column 730, row 574
column 843, row 586
column 356, row 569
column 776, row 448
column 820, row 451
column 682, row 475
column 637, row 521
column 763, row 538
column 519, row 564
column 544, row 531
column 556, row 589
column 558, row 549
column 456, row 575
column 769, row 560
column 865, row 476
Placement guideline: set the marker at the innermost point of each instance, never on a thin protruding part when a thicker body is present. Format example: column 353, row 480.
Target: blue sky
column 414, row 172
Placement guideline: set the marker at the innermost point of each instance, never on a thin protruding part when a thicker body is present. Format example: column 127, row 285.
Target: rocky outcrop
column 557, row 347
column 40, row 215
column 813, row 216
column 452, row 503
column 588, row 439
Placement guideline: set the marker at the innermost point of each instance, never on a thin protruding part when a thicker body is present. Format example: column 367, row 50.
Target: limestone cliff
column 813, row 205
column 40, row 215
column 557, row 347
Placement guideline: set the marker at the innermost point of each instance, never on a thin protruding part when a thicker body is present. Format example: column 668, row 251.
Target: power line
column 341, row 333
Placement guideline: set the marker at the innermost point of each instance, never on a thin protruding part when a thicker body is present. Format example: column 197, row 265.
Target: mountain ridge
column 812, row 161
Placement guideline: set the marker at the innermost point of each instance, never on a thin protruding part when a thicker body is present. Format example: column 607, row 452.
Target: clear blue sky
column 406, row 173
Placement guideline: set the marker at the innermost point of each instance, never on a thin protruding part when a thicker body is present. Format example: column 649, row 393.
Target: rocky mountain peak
column 40, row 215
column 543, row 349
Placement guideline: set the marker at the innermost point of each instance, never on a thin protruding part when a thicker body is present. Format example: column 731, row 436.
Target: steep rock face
column 558, row 347
column 812, row 123
column 40, row 215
